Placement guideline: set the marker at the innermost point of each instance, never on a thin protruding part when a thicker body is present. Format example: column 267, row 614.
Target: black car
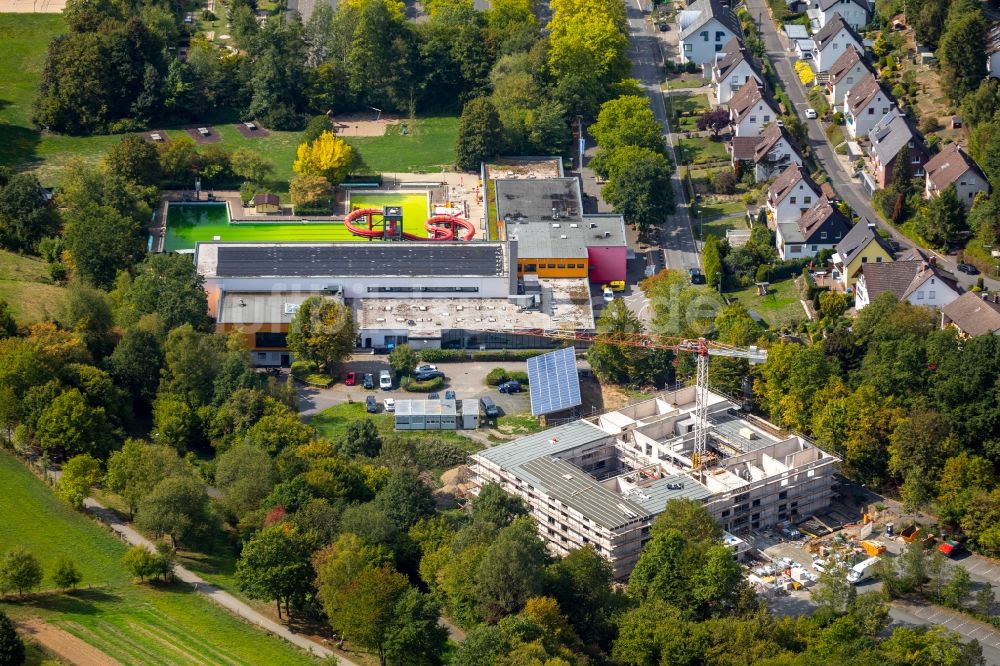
column 697, row 277
column 371, row 404
column 433, row 396
column 968, row 269
column 428, row 374
column 512, row 386
column 489, row 407
column 663, row 26
column 369, row 381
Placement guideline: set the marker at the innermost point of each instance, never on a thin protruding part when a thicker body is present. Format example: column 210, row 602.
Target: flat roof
column 565, row 238
column 565, row 305
column 533, row 200
column 654, row 496
column 525, row 167
column 578, row 490
column 426, row 408
column 555, row 440
column 261, row 307
column 405, row 258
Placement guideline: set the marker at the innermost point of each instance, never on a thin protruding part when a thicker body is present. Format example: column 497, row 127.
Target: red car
column 351, row 379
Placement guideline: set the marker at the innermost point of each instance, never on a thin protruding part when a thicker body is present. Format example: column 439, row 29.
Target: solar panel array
column 553, row 382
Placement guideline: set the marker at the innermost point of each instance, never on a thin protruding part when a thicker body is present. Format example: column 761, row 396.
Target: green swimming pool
column 191, row 223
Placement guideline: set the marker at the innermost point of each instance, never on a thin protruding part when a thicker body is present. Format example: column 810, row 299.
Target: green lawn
column 332, row 423
column 690, row 107
column 701, row 150
column 719, row 226
column 687, row 81
column 135, row 624
column 779, row 308
column 25, row 285
column 428, row 145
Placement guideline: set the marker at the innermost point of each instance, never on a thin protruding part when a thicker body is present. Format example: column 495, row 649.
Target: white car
column 811, row 113
column 608, row 295
column 385, row 380
column 390, row 404
column 425, row 367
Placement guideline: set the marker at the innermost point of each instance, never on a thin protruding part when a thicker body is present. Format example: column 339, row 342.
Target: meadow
column 135, row 624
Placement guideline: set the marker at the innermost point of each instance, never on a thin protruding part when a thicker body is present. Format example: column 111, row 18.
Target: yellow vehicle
column 617, row 285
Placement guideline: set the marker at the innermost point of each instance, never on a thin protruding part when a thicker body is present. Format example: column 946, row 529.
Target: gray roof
column 707, row 10
column 548, row 442
column 796, row 31
column 769, row 137
column 578, row 490
column 889, row 135
column 832, row 29
column 654, row 497
column 527, row 199
column 858, row 238
column 566, row 239
column 827, row 4
column 973, row 314
column 360, row 259
column 260, row 307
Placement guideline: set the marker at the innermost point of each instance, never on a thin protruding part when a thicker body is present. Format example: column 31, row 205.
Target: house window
column 807, row 200
column 704, row 35
column 962, row 183
column 736, row 82
column 836, row 46
column 822, row 235
column 814, row 248
column 871, row 111
column 878, row 260
column 793, row 199
column 920, row 295
column 864, row 260
column 767, row 118
column 719, row 35
column 794, row 249
column 753, row 119
column 687, row 48
column 718, row 47
column 850, row 79
column 932, row 294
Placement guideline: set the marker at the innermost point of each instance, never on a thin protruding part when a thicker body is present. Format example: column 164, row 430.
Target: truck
column 863, row 570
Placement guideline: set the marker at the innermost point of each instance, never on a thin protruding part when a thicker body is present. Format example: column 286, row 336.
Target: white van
column 863, row 570
column 385, row 380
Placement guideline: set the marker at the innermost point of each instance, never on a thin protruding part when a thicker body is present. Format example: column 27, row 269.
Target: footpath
column 128, row 534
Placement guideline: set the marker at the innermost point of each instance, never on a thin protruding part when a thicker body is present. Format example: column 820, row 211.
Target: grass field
column 701, row 150
column 187, row 224
column 332, row 424
column 428, row 145
column 25, row 285
column 780, row 307
column 134, row 624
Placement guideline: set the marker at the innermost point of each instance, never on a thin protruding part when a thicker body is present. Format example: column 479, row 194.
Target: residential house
column 845, row 73
column 790, row 195
column 918, row 282
column 704, row 27
column 751, row 109
column 993, row 50
column 832, row 40
column 973, row 314
column 733, row 69
column 893, row 138
column 741, row 151
column 865, row 105
column 819, row 228
column 862, row 245
column 774, row 153
column 855, row 12
column 953, row 166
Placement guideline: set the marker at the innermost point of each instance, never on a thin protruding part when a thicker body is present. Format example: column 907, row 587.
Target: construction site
column 603, row 480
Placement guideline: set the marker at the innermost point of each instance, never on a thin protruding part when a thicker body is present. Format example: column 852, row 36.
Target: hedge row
column 498, row 376
column 412, row 386
column 494, row 355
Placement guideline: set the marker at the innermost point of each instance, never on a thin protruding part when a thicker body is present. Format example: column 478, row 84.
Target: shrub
column 518, row 376
column 304, row 368
column 432, row 384
column 497, row 376
column 724, row 182
column 508, row 354
column 838, row 118
column 435, row 453
column 442, row 355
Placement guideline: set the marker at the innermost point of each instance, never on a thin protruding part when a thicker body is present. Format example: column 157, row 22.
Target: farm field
column 428, row 144
column 132, row 623
column 25, row 285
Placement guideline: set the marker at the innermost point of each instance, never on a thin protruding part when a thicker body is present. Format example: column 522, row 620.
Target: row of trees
column 21, row 572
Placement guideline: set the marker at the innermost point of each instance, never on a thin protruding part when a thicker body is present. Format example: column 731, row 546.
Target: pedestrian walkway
column 216, row 594
column 967, row 626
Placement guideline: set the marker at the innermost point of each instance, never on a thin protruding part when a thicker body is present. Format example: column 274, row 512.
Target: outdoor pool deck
column 191, row 223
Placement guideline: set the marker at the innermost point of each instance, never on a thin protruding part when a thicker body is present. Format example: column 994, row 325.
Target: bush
column 436, row 453
column 724, row 182
column 497, row 376
column 838, row 118
column 518, row 376
column 308, row 372
column 304, row 368
column 508, row 354
column 442, row 355
column 413, row 386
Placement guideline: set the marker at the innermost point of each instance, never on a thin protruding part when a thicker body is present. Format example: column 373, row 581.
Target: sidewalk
column 219, row 596
column 966, row 625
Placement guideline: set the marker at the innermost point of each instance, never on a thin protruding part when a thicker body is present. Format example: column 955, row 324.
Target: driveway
column 466, row 379
column 646, row 51
column 847, row 187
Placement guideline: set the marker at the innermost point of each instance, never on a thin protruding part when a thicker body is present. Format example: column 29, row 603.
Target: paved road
column 219, row 596
column 848, row 188
column 645, row 49
column 905, row 612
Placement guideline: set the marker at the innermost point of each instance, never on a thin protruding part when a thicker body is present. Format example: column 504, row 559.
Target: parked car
column 811, row 114
column 697, row 277
column 617, row 285
column 425, row 367
column 608, row 294
column 428, row 374
column 968, row 269
column 385, row 380
column 433, row 396
column 449, row 395
column 663, row 26
column 489, row 407
column 389, row 404
column 369, row 381
column 351, row 379
column 512, row 386
column 371, row 404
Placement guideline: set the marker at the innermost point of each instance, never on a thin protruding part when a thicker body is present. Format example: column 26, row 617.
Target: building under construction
column 603, row 480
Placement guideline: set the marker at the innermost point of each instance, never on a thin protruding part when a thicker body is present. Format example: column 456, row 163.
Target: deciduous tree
column 328, row 156
column 177, row 506
column 274, row 565
column 79, row 474
column 65, row 575
column 322, row 330
column 25, row 213
column 19, row 571
column 479, row 134
column 69, row 426
column 251, row 166
column 11, row 645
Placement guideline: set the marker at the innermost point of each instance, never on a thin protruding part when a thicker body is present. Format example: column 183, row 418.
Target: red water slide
column 440, row 227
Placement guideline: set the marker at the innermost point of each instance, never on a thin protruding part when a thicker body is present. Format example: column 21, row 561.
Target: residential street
column 677, row 239
column 847, row 187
